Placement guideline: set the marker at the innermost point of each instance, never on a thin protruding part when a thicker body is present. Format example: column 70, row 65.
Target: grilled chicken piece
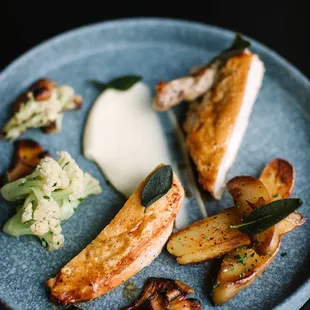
column 216, row 124
column 162, row 293
column 133, row 239
column 27, row 156
column 187, row 88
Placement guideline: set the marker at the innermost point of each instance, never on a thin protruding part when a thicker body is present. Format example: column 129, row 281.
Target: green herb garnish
column 81, row 199
column 207, row 237
column 44, row 243
column 217, row 284
column 268, row 215
column 158, row 185
column 120, row 83
column 238, row 46
column 46, row 197
column 240, row 259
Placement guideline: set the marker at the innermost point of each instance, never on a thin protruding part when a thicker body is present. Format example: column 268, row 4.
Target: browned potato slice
column 279, row 178
column 28, row 154
column 239, row 269
column 291, row 222
column 208, row 238
column 249, row 193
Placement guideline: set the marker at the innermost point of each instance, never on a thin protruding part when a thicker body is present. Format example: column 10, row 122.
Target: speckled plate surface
column 157, row 49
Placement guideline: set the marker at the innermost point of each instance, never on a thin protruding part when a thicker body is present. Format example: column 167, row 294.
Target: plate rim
column 163, row 21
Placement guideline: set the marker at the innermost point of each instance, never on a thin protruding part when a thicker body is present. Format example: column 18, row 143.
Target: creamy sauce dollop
column 123, row 135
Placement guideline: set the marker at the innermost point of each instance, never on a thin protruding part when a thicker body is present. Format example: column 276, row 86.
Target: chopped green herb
column 238, row 205
column 276, row 195
column 67, row 163
column 240, row 260
column 217, row 284
column 46, row 197
column 55, row 184
column 207, row 237
column 81, row 199
column 44, row 243
column 232, row 268
column 242, row 274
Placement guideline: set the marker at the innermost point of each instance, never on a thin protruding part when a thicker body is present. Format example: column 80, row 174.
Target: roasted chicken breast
column 132, row 240
column 186, row 88
column 215, row 125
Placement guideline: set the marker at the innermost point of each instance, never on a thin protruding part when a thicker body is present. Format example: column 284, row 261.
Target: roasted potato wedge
column 278, row 177
column 27, row 156
column 208, row 238
column 238, row 270
column 249, row 193
column 191, row 245
column 291, row 222
column 242, row 267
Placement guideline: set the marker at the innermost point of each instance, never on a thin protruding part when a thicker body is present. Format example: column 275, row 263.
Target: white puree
column 123, row 135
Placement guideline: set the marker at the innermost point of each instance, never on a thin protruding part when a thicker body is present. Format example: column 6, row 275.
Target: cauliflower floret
column 74, row 173
column 42, row 105
column 54, row 177
column 53, row 242
column 46, row 217
column 45, row 207
column 91, row 185
column 27, row 213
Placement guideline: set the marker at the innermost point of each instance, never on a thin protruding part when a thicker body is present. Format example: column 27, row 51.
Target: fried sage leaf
column 239, row 45
column 120, row 83
column 157, row 185
column 268, row 215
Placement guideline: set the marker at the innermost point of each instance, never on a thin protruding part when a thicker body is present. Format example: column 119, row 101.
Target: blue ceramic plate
column 157, row 49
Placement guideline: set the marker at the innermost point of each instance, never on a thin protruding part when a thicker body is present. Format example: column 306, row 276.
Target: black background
column 282, row 25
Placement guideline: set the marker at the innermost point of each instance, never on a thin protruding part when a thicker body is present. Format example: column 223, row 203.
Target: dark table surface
column 282, row 25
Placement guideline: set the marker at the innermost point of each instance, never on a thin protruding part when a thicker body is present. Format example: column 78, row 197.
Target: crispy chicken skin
column 216, row 124
column 133, row 239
